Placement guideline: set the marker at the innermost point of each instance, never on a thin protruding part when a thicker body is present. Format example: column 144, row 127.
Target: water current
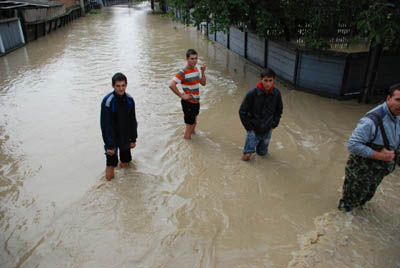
column 180, row 203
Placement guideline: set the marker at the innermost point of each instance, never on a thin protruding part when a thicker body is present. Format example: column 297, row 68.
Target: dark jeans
column 112, row 160
column 257, row 143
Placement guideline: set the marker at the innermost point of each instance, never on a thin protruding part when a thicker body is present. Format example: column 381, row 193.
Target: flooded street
column 180, row 203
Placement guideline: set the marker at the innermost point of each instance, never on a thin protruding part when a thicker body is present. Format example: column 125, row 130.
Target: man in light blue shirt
column 372, row 147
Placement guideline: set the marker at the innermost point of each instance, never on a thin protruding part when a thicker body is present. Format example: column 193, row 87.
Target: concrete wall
column 255, row 49
column 236, row 41
column 282, row 60
column 222, row 38
column 321, row 73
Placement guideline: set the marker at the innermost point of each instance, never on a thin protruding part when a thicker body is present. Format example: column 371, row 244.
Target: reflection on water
column 181, row 203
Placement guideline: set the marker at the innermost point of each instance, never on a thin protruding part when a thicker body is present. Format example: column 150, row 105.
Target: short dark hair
column 268, row 72
column 393, row 88
column 190, row 52
column 118, row 77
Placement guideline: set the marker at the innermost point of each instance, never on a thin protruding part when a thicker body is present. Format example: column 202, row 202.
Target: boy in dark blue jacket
column 118, row 125
column 260, row 112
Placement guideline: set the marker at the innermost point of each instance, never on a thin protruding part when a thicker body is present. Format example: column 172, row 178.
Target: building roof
column 6, row 4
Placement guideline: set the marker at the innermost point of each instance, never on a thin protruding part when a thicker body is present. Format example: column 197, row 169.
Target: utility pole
column 82, row 3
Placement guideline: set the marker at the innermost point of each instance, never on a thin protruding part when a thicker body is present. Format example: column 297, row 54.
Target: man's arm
column 362, row 134
column 107, row 130
column 203, row 79
column 244, row 112
column 278, row 111
column 174, row 88
column 134, row 124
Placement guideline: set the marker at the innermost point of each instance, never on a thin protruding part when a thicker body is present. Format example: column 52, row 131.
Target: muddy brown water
column 181, row 203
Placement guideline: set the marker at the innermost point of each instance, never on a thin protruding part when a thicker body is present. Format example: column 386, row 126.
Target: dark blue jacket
column 118, row 121
column 261, row 111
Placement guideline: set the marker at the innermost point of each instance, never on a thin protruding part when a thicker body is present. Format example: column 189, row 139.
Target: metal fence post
column 21, row 32
column 2, row 49
column 245, row 43
column 296, row 68
column 228, row 41
column 345, row 74
column 266, row 52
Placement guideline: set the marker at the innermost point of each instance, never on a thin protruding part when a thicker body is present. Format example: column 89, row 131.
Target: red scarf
column 260, row 86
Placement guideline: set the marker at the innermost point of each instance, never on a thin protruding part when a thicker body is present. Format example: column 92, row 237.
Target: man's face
column 267, row 82
column 394, row 103
column 192, row 60
column 120, row 87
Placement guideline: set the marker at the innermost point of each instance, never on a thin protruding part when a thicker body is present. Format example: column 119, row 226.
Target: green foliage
column 184, row 6
column 314, row 42
column 380, row 24
column 317, row 22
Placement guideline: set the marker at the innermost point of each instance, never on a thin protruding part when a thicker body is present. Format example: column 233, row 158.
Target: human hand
column 110, row 152
column 203, row 68
column 133, row 144
column 186, row 96
column 387, row 155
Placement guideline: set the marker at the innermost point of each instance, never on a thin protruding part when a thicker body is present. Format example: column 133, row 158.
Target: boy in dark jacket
column 118, row 125
column 260, row 112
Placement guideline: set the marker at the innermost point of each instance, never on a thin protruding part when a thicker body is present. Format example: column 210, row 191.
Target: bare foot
column 246, row 157
column 109, row 173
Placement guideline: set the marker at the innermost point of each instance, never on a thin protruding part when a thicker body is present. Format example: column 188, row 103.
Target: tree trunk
column 163, row 6
column 82, row 4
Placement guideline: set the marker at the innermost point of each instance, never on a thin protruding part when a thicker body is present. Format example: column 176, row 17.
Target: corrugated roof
column 26, row 3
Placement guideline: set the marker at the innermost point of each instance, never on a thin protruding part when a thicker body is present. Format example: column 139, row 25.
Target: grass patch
column 95, row 11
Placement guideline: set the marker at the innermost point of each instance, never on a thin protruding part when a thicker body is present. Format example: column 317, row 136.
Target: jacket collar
column 119, row 96
column 389, row 113
column 261, row 90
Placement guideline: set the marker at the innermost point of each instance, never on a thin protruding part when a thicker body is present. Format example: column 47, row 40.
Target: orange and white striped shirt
column 190, row 80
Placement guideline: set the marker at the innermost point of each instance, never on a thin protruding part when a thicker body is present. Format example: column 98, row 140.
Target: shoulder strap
column 380, row 123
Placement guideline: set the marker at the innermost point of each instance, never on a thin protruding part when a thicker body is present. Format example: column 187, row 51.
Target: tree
column 378, row 25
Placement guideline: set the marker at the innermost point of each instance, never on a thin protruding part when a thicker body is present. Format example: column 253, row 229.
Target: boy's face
column 192, row 60
column 267, row 82
column 120, row 87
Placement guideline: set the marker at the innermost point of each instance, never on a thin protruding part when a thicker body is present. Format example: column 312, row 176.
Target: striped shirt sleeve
column 179, row 77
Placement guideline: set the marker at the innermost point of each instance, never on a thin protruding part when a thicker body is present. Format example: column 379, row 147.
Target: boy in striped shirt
column 189, row 78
